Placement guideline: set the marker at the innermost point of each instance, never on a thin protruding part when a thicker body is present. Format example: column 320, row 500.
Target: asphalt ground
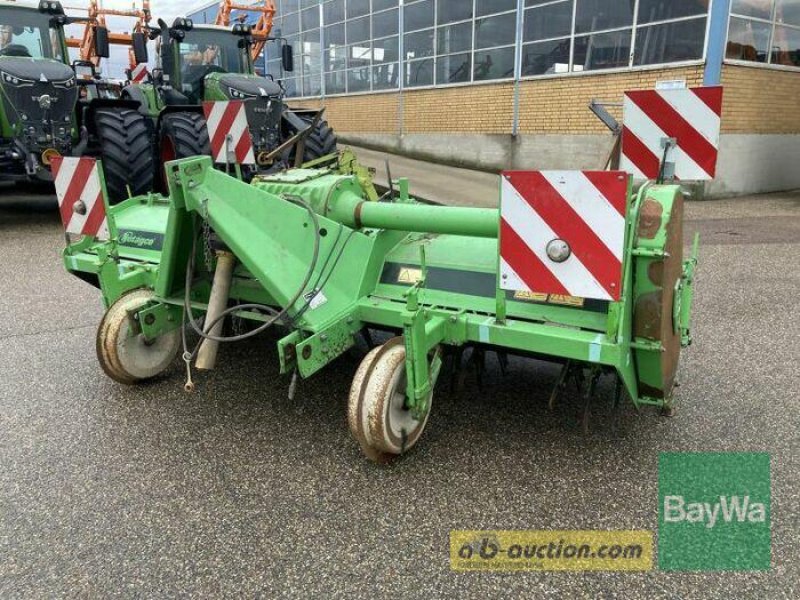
column 107, row 490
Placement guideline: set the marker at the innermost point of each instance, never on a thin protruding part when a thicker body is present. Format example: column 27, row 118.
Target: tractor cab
column 209, row 62
column 37, row 86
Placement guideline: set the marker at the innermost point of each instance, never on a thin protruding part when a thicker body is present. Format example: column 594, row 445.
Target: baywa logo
column 714, row 511
column 729, row 508
column 141, row 239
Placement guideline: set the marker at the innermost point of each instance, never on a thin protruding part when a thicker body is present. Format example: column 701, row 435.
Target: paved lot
column 235, row 490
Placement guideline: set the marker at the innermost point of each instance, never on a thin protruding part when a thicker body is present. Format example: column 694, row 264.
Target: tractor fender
column 89, row 110
column 292, row 118
column 136, row 94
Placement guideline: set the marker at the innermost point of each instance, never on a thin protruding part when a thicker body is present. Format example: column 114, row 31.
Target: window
column 459, row 41
column 765, row 31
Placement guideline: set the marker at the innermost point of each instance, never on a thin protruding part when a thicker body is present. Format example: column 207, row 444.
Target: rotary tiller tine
column 588, row 396
column 561, row 383
column 502, row 359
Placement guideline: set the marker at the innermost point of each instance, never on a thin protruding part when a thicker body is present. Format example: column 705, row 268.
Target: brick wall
column 756, row 101
column 559, row 105
column 553, row 105
column 759, row 100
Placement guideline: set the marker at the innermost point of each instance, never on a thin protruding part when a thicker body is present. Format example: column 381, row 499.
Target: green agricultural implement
column 306, row 250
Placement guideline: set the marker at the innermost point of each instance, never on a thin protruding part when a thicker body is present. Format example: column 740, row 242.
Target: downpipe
column 217, row 302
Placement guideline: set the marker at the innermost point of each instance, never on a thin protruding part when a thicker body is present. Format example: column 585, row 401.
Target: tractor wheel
column 127, row 358
column 182, row 135
column 320, row 142
column 377, row 415
column 124, row 148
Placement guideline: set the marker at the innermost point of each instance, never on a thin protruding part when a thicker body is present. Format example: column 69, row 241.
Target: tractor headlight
column 239, row 95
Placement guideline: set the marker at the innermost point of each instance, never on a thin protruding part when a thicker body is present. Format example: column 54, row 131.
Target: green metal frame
column 361, row 244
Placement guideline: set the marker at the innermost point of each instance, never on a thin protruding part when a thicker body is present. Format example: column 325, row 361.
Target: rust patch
column 656, row 272
column 650, row 219
column 648, row 316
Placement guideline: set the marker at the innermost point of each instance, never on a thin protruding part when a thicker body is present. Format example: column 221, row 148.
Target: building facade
column 495, row 84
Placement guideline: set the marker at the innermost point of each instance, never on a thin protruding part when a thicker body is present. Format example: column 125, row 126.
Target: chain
column 208, row 253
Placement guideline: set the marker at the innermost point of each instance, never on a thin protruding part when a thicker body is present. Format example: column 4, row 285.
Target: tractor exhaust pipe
column 218, row 301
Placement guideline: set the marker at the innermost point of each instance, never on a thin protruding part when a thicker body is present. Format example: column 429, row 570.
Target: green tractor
column 50, row 107
column 212, row 63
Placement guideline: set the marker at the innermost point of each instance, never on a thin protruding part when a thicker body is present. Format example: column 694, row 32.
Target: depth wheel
column 126, row 358
column 377, row 415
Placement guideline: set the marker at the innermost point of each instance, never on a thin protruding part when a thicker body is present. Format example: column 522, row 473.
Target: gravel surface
column 109, row 491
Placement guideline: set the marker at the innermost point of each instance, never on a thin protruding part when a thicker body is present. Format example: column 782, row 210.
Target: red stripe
column 568, row 225
column 712, row 96
column 243, row 147
column 671, row 122
column 526, row 264
column 76, row 186
column 224, row 128
column 613, row 185
column 96, row 217
column 639, row 154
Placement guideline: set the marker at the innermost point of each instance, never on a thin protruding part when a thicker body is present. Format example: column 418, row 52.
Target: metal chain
column 208, row 253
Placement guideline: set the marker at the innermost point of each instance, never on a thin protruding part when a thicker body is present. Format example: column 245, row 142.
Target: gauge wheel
column 377, row 413
column 129, row 358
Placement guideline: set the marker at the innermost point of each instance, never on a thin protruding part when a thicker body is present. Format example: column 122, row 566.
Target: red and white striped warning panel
column 688, row 117
column 80, row 196
column 139, row 73
column 563, row 232
column 228, row 132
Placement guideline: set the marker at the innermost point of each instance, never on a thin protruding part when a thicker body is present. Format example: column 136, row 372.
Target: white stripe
column 631, row 167
column 650, row 134
column 696, row 112
column 510, row 280
column 103, row 233
column 536, row 234
column 89, row 195
column 237, row 130
column 212, row 124
column 65, row 173
column 592, row 206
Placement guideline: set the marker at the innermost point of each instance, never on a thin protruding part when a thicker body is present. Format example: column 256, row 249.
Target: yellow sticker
column 537, row 550
column 530, row 296
column 408, row 275
column 566, row 300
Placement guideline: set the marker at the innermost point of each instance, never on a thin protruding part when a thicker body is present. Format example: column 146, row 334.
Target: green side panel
column 658, row 265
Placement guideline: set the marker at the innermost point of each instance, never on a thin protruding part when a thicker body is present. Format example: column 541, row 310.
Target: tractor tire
column 124, row 147
column 182, row 135
column 320, row 142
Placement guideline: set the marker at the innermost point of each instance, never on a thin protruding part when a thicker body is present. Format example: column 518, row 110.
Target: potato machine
column 574, row 268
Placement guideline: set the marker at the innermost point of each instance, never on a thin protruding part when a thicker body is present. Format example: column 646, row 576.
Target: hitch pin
column 189, row 385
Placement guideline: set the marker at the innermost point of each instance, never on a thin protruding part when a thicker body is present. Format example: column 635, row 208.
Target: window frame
column 773, row 25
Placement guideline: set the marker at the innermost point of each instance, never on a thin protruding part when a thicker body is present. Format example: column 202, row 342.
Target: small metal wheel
column 377, row 414
column 129, row 359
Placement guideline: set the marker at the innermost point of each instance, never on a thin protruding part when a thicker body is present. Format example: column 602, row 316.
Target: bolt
column 324, row 337
column 453, row 319
column 149, row 319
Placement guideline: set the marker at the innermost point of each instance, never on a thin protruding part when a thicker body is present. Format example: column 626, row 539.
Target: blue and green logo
column 714, row 511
